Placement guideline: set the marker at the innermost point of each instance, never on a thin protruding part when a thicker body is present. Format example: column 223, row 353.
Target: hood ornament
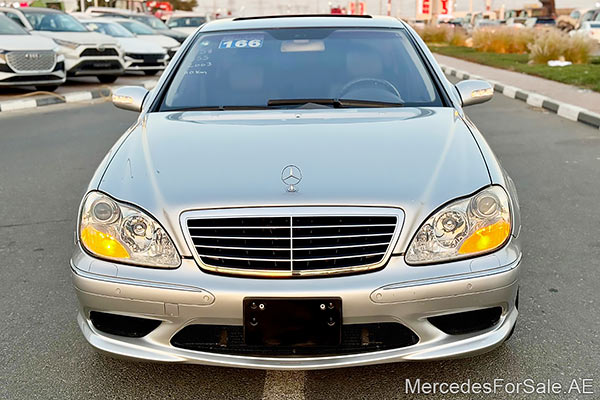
column 291, row 176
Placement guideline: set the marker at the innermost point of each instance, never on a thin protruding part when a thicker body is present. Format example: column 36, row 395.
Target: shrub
column 435, row 33
column 503, row 39
column 555, row 45
column 458, row 37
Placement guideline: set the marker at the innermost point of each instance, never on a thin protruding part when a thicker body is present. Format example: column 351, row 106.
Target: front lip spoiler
column 447, row 347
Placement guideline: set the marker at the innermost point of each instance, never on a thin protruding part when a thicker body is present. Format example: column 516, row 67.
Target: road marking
column 284, row 385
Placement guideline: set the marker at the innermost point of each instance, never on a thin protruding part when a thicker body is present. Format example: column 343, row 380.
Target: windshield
column 8, row 27
column 260, row 68
column 110, row 29
column 54, row 22
column 186, row 22
column 137, row 28
column 151, row 21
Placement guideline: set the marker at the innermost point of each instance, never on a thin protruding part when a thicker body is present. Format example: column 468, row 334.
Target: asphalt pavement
column 48, row 156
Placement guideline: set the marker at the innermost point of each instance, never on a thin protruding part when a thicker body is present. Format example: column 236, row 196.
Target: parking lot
column 47, row 157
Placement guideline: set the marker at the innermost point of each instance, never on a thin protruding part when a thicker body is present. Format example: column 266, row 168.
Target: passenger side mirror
column 474, row 92
column 129, row 98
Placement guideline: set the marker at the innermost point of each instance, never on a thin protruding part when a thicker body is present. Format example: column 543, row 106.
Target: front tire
column 107, row 78
column 49, row 88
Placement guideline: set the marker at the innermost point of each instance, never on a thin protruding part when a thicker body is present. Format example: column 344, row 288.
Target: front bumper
column 397, row 293
column 10, row 78
column 79, row 63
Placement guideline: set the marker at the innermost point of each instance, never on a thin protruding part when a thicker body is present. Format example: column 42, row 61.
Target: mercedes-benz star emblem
column 291, row 176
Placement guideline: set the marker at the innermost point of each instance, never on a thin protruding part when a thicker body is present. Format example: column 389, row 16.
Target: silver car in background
column 299, row 193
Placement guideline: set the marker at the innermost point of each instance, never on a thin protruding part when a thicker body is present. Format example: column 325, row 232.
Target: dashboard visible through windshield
column 288, row 68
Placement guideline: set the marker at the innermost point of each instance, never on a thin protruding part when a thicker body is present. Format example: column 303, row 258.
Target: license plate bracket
column 303, row 322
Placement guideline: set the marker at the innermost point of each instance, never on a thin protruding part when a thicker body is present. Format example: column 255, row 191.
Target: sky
column 405, row 8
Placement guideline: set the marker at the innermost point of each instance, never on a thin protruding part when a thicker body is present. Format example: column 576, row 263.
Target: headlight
column 2, row 57
column 463, row 228
column 123, row 233
column 66, row 43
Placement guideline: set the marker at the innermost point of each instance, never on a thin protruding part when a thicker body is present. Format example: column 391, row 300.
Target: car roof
column 39, row 10
column 302, row 21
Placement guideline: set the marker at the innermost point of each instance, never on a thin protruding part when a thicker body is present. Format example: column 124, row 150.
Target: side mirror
column 129, row 98
column 474, row 92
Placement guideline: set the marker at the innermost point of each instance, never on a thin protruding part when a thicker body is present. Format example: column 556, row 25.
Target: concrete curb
column 72, row 97
column 568, row 111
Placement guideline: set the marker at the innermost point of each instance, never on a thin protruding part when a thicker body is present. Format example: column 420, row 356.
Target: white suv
column 28, row 60
column 86, row 53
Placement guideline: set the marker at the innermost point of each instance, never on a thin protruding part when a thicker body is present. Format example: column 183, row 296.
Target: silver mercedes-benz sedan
column 299, row 193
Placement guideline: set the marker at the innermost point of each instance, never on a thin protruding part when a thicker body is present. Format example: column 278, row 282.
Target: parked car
column 139, row 55
column 144, row 32
column 298, row 204
column 545, row 22
column 187, row 23
column 28, row 60
column 572, row 21
column 160, row 27
column 150, row 20
column 86, row 53
column 590, row 29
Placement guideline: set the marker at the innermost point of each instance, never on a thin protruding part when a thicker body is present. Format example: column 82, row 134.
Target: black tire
column 49, row 88
column 150, row 73
column 107, row 78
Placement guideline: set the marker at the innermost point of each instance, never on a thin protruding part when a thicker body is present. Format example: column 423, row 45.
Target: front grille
column 97, row 65
column 103, row 52
column 32, row 78
column 31, row 61
column 122, row 325
column 147, row 58
column 356, row 339
column 292, row 245
column 467, row 322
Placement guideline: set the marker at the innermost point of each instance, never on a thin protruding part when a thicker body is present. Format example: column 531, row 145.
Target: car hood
column 91, row 38
column 161, row 40
column 25, row 43
column 137, row 46
column 415, row 159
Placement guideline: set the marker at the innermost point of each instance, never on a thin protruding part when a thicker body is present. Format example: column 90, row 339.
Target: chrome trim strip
column 275, row 212
column 287, row 247
column 287, row 238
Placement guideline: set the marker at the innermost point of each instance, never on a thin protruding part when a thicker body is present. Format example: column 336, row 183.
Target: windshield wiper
column 335, row 103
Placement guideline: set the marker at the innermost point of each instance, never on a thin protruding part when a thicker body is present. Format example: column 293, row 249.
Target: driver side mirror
column 474, row 91
column 129, row 98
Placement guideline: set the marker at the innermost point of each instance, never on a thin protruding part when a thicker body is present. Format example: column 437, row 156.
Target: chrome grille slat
column 295, row 248
column 292, row 245
column 287, row 238
column 295, row 226
column 31, row 61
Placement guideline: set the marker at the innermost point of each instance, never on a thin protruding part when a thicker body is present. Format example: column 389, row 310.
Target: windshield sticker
column 242, row 42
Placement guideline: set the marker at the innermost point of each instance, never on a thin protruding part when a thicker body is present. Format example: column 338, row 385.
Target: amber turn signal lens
column 487, row 238
column 102, row 244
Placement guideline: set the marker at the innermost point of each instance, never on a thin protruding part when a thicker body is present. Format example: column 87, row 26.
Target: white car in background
column 139, row 55
column 144, row 32
column 149, row 20
column 590, row 29
column 187, row 23
column 28, row 60
column 86, row 53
